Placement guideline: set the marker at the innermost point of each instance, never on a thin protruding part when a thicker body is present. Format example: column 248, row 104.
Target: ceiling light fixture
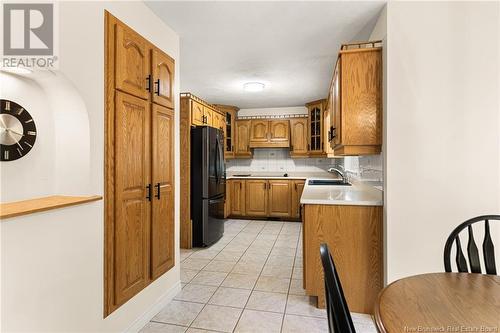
column 253, row 86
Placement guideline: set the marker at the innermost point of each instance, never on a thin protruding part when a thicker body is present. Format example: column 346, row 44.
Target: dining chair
column 339, row 317
column 472, row 251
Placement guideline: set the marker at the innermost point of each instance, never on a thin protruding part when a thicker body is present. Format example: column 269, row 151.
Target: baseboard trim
column 154, row 309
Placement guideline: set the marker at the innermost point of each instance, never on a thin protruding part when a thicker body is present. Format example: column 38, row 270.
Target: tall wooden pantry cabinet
column 139, row 163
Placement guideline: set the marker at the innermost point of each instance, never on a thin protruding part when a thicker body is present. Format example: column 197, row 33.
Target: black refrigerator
column 208, row 185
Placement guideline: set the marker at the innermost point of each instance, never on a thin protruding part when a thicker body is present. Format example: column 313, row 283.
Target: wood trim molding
column 204, row 103
column 30, row 206
column 284, row 116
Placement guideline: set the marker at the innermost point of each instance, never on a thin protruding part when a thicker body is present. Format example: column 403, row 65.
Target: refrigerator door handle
column 216, row 161
column 216, row 200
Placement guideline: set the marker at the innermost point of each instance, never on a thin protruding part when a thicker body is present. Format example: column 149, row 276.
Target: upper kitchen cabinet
column 242, row 136
column 163, row 78
column 357, row 103
column 230, row 128
column 327, row 132
column 299, row 137
column 200, row 112
column 315, row 111
column 266, row 133
column 197, row 113
column 132, row 58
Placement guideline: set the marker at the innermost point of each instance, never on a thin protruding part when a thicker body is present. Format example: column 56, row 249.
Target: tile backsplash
column 279, row 160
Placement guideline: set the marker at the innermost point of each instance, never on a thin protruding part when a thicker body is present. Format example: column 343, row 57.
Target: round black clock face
column 17, row 131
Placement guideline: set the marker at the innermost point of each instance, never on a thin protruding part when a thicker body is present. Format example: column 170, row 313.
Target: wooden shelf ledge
column 25, row 207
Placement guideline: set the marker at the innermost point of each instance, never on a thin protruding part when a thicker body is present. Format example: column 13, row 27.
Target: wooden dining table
column 440, row 302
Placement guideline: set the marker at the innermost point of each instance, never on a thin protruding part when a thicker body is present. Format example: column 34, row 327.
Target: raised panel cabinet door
column 280, row 198
column 209, row 116
column 280, row 130
column 163, row 78
column 242, row 134
column 132, row 207
column 256, row 197
column 197, row 114
column 237, row 200
column 162, row 223
column 131, row 62
column 361, row 98
column 259, row 131
column 337, row 110
column 298, row 187
column 299, row 137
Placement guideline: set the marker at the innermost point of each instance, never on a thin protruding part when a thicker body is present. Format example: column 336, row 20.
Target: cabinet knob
column 148, row 193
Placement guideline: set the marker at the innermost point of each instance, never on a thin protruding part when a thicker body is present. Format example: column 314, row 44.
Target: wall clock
column 17, row 131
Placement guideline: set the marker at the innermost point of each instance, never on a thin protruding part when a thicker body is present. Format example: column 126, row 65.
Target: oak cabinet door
column 336, row 118
column 256, row 197
column 259, row 131
column 209, row 116
column 280, row 198
column 163, row 78
column 279, row 130
column 131, row 62
column 229, row 129
column 237, row 200
column 315, row 128
column 132, row 208
column 197, row 114
column 298, row 187
column 162, row 225
column 242, row 145
column 299, row 137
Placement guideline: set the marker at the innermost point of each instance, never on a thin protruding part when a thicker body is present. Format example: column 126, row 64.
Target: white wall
column 442, row 127
column 52, row 262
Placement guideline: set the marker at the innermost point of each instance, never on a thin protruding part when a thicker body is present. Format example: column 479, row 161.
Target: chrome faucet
column 342, row 173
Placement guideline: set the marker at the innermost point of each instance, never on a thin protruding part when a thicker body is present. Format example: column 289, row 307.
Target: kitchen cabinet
column 242, row 143
column 256, row 197
column 259, row 132
column 298, row 187
column 209, row 117
column 162, row 225
column 279, row 196
column 265, row 197
column 354, row 236
column 237, row 192
column 315, row 111
column 197, row 113
column 163, row 78
column 357, row 121
column 327, row 131
column 132, row 57
column 139, row 191
column 266, row 133
column 229, row 114
column 299, row 137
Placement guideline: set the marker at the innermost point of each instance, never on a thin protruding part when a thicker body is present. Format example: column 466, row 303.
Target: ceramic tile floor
column 249, row 281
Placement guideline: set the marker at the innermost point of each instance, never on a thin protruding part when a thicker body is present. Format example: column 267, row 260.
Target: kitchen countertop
column 279, row 175
column 358, row 194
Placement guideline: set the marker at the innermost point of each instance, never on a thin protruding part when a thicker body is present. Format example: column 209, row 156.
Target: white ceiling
column 291, row 47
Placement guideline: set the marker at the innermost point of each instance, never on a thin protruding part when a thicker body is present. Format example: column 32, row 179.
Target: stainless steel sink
column 328, row 182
